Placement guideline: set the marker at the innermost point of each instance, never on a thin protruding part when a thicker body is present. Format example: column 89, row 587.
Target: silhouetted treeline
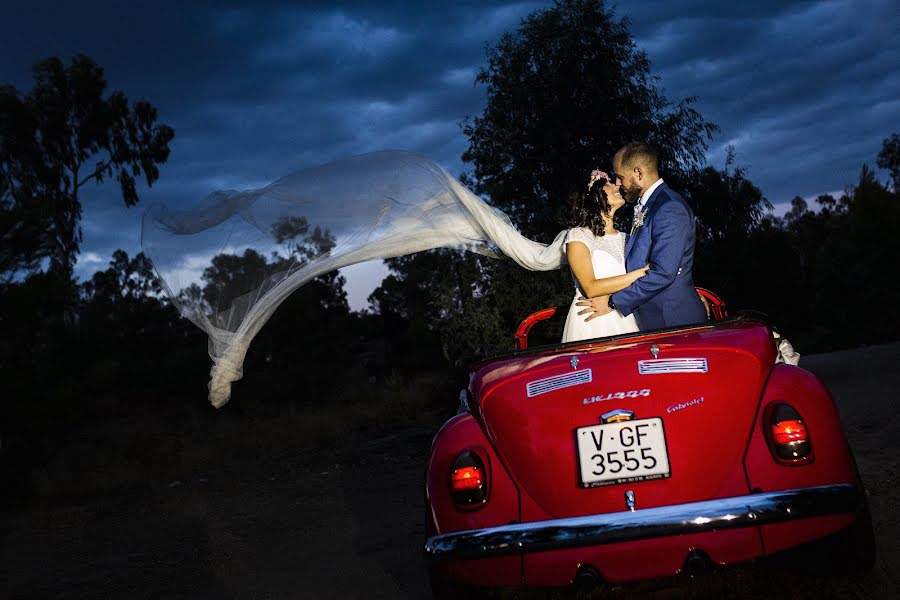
column 104, row 381
column 112, row 392
column 822, row 273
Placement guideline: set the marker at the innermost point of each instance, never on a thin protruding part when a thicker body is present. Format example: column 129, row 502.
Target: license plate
column 621, row 452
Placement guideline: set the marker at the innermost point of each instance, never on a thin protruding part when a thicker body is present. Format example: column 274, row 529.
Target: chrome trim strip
column 679, row 519
column 557, row 382
column 672, row 365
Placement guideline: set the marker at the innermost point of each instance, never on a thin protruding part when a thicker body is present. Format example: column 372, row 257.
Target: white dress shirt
column 647, row 193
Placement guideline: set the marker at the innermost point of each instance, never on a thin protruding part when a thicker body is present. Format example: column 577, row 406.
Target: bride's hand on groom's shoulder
column 595, row 307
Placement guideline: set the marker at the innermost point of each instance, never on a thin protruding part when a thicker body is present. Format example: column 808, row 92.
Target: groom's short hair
column 639, row 152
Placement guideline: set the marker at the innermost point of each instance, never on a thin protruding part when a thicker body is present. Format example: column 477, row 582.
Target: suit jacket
column 665, row 296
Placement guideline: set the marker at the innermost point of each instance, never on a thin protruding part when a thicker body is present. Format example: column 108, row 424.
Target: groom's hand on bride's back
column 595, row 307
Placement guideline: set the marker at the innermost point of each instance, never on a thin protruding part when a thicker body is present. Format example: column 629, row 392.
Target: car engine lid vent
column 672, row 365
column 549, row 384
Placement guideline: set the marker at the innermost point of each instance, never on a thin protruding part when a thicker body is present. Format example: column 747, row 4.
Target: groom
column 663, row 237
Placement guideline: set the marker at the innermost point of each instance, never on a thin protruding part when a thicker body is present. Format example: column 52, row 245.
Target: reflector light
column 467, row 478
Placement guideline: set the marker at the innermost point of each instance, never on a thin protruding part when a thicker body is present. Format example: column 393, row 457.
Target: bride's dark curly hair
column 589, row 209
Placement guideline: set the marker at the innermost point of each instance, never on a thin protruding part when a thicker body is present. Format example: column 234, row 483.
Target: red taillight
column 788, row 436
column 791, row 430
column 468, row 480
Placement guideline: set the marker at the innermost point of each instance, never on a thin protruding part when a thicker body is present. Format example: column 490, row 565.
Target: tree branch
column 101, row 167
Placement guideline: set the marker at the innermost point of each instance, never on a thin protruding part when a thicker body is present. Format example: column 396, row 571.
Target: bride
column 595, row 251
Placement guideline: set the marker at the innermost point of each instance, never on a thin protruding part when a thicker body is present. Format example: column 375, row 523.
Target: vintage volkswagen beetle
column 640, row 456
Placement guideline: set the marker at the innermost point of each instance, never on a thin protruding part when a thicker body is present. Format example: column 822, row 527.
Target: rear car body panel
column 833, row 462
column 459, row 434
column 527, row 407
column 707, row 417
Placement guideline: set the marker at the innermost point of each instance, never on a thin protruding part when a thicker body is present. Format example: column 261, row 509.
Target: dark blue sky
column 805, row 91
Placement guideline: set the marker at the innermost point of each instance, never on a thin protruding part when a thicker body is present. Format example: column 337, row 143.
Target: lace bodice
column 614, row 245
column 608, row 260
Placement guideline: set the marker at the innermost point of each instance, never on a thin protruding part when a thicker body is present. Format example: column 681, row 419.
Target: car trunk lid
column 696, row 389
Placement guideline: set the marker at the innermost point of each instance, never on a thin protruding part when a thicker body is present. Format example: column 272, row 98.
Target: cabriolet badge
column 654, row 350
column 683, row 405
column 616, row 396
column 574, row 362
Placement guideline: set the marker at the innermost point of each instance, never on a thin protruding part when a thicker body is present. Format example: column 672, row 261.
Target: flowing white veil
column 367, row 207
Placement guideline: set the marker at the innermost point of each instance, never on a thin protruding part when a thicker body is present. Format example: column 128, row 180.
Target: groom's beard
column 632, row 194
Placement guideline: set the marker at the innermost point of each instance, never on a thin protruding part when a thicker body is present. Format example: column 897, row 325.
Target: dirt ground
column 351, row 525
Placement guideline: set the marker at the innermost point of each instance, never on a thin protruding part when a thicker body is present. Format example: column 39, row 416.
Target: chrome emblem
column 629, row 500
column 615, row 414
column 683, row 405
column 574, row 362
column 654, row 350
column 617, row 396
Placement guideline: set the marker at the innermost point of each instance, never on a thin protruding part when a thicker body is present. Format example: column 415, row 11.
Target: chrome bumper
column 608, row 528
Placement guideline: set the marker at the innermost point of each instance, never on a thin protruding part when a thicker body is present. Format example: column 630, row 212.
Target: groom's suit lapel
column 646, row 223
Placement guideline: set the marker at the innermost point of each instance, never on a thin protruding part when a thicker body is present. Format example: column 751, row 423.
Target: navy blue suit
column 665, row 296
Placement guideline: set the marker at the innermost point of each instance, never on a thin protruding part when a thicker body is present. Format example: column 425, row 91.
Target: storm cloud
column 804, row 91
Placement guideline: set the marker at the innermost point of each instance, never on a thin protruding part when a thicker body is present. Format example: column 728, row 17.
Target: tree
column 727, row 204
column 56, row 139
column 564, row 91
column 304, row 244
column 729, row 209
column 424, row 294
column 308, row 332
column 26, row 241
column 123, row 304
column 230, row 276
column 889, row 159
column 125, row 279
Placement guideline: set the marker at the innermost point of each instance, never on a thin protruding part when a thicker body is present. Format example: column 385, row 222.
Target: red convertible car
column 640, row 456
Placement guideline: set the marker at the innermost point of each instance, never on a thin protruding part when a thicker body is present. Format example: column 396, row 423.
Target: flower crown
column 595, row 175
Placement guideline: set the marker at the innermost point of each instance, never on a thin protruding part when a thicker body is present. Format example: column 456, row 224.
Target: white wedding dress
column 608, row 258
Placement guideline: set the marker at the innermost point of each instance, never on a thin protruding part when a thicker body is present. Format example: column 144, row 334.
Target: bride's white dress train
column 608, row 258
